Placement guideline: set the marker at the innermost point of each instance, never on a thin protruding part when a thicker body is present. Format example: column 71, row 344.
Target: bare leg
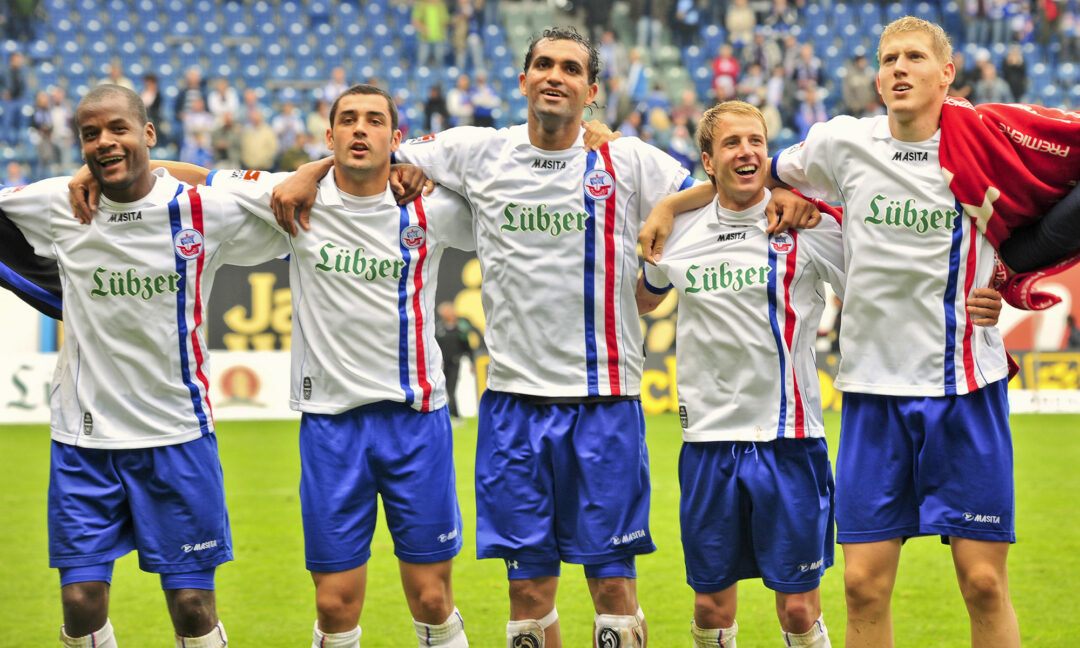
column 869, row 578
column 984, row 583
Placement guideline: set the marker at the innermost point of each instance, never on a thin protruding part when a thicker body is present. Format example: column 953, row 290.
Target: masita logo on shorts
column 447, row 537
column 979, row 518
column 199, row 546
column 188, row 244
column 817, row 564
column 627, row 537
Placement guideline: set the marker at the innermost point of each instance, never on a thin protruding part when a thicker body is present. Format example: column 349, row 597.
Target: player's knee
column 433, row 603
column 864, row 589
column 797, row 614
column 85, row 604
column 983, row 587
column 193, row 611
column 526, row 594
column 614, row 595
column 338, row 605
column 709, row 614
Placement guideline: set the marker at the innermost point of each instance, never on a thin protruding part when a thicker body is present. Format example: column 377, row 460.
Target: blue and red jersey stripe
column 404, row 308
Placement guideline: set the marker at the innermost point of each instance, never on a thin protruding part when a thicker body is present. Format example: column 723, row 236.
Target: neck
column 361, row 183
column 552, row 137
column 133, row 192
column 917, row 129
column 739, row 202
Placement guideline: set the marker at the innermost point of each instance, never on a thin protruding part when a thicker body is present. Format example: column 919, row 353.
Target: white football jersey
column 133, row 370
column 556, row 234
column 912, row 259
column 363, row 292
column 749, row 307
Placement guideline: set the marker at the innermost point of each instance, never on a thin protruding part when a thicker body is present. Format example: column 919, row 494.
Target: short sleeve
column 250, row 189
column 825, row 245
column 450, row 219
column 659, row 175
column 807, row 166
column 656, row 280
column 30, row 208
column 445, row 157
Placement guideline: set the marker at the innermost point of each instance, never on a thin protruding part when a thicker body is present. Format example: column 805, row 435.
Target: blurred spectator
column 1070, row 33
column 686, row 24
column 459, row 102
column 1072, row 342
column 47, row 153
column 489, row 12
column 252, row 102
column 116, row 76
column 435, row 113
column 631, row 126
column 779, row 91
column 859, row 89
column 990, row 88
column 618, row 101
column 751, row 81
column 648, row 16
column 151, row 96
column 976, row 21
column 335, row 86
column 682, row 147
column 259, row 144
column 763, row 50
column 63, row 124
column 774, row 123
column 811, row 111
column 657, row 100
column 484, row 100
column 13, row 79
column 790, row 54
column 808, row 72
column 295, row 155
column 688, row 111
column 452, row 335
column 725, row 73
column 401, row 99
column 466, row 34
column 997, row 11
column 613, row 58
column 198, row 124
column 1014, row 72
column 637, row 78
column 1051, row 19
column 782, row 16
column 194, row 88
column 20, row 19
column 287, row 124
column 15, row 176
column 318, row 120
column 228, row 143
column 964, row 81
column 222, row 99
column 740, row 22
column 431, row 20
column 597, row 17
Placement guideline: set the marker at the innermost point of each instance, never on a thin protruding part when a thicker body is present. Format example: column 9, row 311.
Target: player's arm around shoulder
column 37, row 209
column 450, row 219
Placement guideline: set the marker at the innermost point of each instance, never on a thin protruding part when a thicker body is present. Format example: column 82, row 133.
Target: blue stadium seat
column 869, row 14
column 1067, row 73
column 813, row 16
column 927, row 11
column 1074, row 97
column 175, row 10
column 187, row 55
column 232, row 13
column 1050, row 95
column 841, row 15
column 290, row 12
column 318, row 12
column 713, row 37
column 894, row 10
column 223, row 70
column 39, row 50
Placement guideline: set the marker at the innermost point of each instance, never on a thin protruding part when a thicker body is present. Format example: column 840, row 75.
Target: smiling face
column 116, row 146
column 362, row 137
column 737, row 160
column 912, row 81
column 556, row 83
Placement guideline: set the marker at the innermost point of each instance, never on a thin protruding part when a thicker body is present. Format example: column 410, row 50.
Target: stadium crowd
column 252, row 86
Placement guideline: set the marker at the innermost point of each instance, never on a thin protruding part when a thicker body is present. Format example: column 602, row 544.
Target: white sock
column 350, row 639
column 714, row 637
column 102, row 638
column 216, row 638
column 816, row 637
column 450, row 633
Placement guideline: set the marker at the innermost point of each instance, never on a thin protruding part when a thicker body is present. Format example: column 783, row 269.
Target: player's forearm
column 315, row 170
column 191, row 174
column 688, row 199
column 1048, row 239
column 647, row 301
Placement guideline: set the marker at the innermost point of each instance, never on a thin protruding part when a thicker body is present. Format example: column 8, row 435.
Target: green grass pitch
column 266, row 598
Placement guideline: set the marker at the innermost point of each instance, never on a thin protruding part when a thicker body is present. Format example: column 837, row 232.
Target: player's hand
column 787, row 210
column 293, row 198
column 984, row 306
column 655, row 231
column 83, row 193
column 597, row 133
column 407, row 182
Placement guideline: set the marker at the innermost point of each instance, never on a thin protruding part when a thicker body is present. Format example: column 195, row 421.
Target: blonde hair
column 712, row 117
column 939, row 41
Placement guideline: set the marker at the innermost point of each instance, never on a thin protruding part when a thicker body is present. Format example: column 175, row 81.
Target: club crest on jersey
column 782, row 243
column 599, row 185
column 188, row 244
column 413, row 236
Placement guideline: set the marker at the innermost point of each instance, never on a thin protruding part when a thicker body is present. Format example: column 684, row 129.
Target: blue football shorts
column 383, row 449
column 912, row 465
column 752, row 510
column 561, row 482
column 166, row 502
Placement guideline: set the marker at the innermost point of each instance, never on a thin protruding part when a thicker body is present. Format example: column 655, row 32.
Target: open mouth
column 746, row 170
column 359, row 148
column 553, row 93
column 901, row 88
column 110, row 162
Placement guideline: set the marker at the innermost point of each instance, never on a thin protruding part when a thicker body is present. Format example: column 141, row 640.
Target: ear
column 151, row 135
column 395, row 141
column 521, row 84
column 948, row 73
column 706, row 163
column 593, row 90
column 330, row 138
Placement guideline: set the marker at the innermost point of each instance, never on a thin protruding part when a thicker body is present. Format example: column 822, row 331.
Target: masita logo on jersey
column 413, row 236
column 911, row 156
column 599, row 185
column 188, row 244
column 910, row 215
column 125, row 217
column 782, row 243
